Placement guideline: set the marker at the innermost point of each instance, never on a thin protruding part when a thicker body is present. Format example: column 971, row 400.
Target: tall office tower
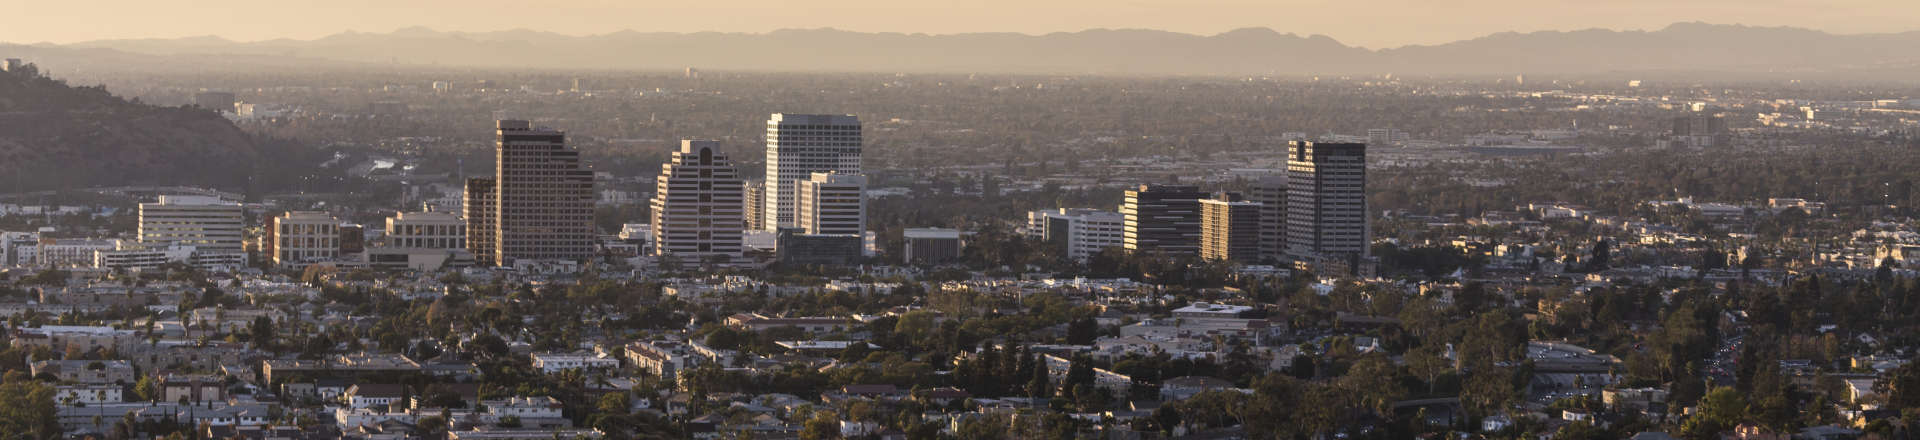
column 754, row 203
column 696, row 203
column 1326, row 201
column 832, row 204
column 209, row 224
column 479, row 212
column 302, row 237
column 542, row 197
column 1230, row 228
column 1162, row 218
column 797, row 147
column 1271, row 192
column 426, row 230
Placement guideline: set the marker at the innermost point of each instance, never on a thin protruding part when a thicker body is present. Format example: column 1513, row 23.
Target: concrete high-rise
column 426, row 230
column 1271, row 192
column 300, row 238
column 209, row 224
column 1701, row 130
column 931, row 245
column 1326, row 201
column 832, row 204
column 1082, row 232
column 797, row 147
column 542, row 199
column 479, row 210
column 1230, row 228
column 696, row 203
column 1162, row 218
column 754, row 203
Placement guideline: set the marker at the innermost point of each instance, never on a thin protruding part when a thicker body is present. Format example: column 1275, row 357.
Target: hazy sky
column 1370, row 23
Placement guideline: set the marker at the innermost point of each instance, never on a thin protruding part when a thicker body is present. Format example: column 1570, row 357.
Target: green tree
column 432, row 426
column 29, row 410
column 263, row 334
column 613, row 403
column 1902, row 387
column 1083, row 331
column 147, row 389
column 1428, row 361
column 1579, row 431
column 1721, row 410
column 822, row 426
column 1037, row 383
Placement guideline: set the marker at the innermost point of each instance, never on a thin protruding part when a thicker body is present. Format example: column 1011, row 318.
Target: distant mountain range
column 1682, row 47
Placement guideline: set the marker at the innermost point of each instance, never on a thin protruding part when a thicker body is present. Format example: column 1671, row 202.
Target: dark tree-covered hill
column 56, row 136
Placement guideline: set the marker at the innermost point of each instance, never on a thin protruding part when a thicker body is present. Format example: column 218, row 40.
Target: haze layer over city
column 856, row 219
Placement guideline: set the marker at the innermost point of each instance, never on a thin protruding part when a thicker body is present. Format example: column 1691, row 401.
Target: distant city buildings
column 696, row 203
column 1386, row 136
column 140, row 256
column 214, row 100
column 1162, row 218
column 931, row 245
column 72, row 252
column 797, row 147
column 1699, row 130
column 207, row 223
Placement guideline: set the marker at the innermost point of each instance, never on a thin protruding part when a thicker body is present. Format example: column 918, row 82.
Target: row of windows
column 813, row 125
column 430, row 242
column 428, row 230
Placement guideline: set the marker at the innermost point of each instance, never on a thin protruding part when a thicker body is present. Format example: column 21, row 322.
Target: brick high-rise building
column 1230, row 228
column 1271, row 192
column 753, row 204
column 542, row 199
column 479, row 212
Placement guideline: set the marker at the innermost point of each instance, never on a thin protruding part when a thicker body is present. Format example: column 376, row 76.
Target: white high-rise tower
column 797, row 147
column 696, row 203
column 831, row 203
